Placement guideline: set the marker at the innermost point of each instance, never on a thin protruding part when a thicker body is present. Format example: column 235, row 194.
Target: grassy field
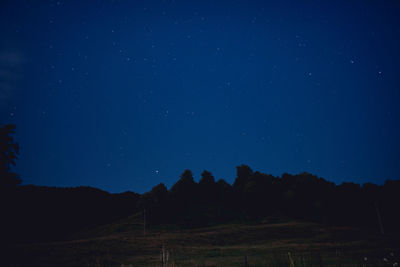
column 259, row 244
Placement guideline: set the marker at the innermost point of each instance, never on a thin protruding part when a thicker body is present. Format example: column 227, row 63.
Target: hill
column 259, row 217
column 38, row 213
column 263, row 243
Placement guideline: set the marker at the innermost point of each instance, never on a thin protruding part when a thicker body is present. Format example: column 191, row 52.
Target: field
column 265, row 243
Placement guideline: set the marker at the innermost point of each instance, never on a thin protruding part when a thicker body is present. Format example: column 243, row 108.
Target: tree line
column 31, row 212
column 255, row 196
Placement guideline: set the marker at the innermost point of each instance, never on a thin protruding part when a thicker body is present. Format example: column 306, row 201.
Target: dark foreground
column 265, row 243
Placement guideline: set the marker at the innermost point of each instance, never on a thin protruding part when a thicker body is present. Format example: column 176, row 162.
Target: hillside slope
column 265, row 243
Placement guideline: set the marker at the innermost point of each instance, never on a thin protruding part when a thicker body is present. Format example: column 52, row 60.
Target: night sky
column 123, row 95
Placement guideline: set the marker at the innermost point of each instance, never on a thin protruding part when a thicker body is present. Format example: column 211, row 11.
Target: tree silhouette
column 243, row 173
column 183, row 195
column 185, row 185
column 207, row 179
column 207, row 188
column 9, row 151
column 155, row 203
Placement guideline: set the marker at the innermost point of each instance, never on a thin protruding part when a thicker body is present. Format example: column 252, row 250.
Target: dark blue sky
column 123, row 95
